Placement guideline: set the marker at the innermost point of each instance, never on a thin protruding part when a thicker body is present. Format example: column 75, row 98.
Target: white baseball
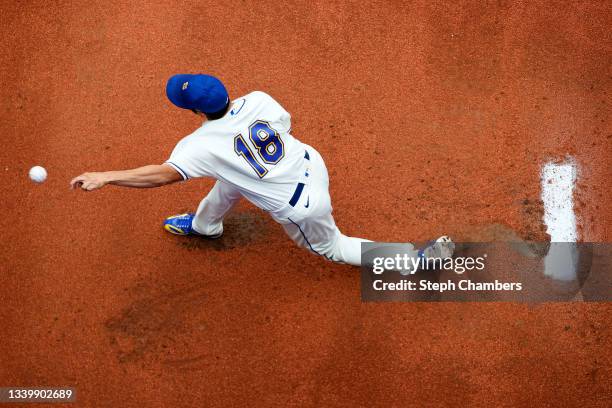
column 38, row 174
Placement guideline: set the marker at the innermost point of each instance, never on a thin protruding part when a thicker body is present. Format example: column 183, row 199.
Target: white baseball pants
column 309, row 222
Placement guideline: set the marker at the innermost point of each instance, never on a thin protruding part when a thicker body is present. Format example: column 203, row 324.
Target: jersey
column 250, row 148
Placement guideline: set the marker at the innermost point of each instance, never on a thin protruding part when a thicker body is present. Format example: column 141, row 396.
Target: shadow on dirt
column 239, row 229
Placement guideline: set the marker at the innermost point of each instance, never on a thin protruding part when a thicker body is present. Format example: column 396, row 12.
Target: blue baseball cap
column 197, row 91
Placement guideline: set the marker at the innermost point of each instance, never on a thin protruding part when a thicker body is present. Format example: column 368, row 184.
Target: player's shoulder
column 263, row 99
column 195, row 138
column 253, row 102
column 259, row 94
column 264, row 96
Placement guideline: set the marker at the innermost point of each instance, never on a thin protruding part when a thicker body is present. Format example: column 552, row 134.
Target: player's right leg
column 208, row 219
column 322, row 237
column 314, row 227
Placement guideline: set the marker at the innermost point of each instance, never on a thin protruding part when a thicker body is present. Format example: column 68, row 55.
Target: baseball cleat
column 181, row 225
column 442, row 247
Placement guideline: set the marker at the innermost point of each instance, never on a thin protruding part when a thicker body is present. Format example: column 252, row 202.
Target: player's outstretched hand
column 88, row 181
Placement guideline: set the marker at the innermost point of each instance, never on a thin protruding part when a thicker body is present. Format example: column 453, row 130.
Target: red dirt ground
column 432, row 119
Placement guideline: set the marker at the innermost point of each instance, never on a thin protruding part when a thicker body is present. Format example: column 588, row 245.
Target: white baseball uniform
column 251, row 153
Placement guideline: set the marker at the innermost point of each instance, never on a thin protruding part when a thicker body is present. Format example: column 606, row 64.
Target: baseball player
column 247, row 146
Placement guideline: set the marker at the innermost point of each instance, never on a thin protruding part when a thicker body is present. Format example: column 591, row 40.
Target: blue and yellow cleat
column 181, row 225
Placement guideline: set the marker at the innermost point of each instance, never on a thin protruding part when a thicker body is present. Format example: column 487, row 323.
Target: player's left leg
column 208, row 219
column 211, row 211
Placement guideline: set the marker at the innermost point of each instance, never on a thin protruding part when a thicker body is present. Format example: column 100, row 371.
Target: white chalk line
column 558, row 181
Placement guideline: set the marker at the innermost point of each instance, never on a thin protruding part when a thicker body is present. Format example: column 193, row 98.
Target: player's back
column 250, row 148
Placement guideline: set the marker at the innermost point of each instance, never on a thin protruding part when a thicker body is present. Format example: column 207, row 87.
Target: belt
column 299, row 188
